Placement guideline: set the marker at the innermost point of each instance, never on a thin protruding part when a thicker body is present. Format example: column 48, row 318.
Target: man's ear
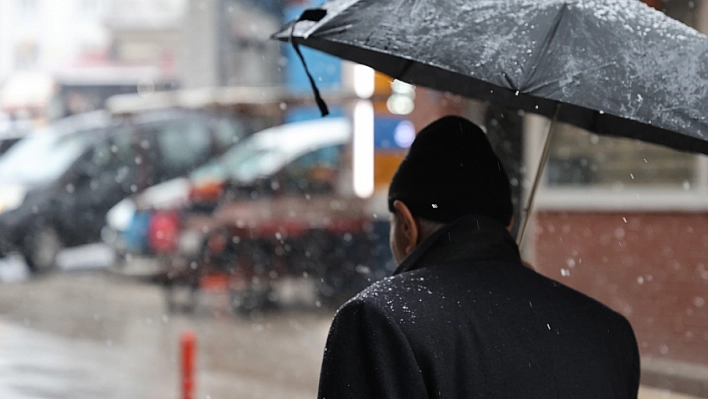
column 511, row 224
column 410, row 230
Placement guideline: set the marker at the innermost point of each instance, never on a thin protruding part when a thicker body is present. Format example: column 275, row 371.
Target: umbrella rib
column 404, row 70
column 533, row 89
column 545, row 44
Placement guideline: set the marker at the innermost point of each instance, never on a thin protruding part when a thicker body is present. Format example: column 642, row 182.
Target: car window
column 117, row 151
column 43, row 156
column 244, row 163
column 220, row 168
column 228, row 131
column 258, row 164
column 314, row 171
column 182, row 145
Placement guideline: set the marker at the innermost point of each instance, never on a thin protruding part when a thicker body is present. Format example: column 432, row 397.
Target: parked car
column 11, row 132
column 281, row 204
column 9, row 139
column 199, row 192
column 57, row 184
column 127, row 223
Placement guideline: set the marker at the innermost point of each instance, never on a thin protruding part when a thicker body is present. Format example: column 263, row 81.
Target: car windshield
column 56, row 152
column 244, row 163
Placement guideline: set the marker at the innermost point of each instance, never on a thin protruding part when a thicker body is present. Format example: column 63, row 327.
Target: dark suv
column 57, row 184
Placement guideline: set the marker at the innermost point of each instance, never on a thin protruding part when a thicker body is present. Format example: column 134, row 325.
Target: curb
column 146, row 269
column 674, row 375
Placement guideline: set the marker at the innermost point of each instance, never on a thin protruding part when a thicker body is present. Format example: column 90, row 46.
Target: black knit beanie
column 451, row 171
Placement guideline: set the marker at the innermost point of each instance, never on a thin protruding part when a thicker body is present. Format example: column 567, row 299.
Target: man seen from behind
column 462, row 317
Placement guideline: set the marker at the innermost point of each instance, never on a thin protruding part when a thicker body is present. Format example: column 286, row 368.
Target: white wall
column 147, row 13
column 59, row 30
column 200, row 47
column 215, row 50
column 6, row 42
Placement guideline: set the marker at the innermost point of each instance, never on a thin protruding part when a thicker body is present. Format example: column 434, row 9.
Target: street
column 88, row 333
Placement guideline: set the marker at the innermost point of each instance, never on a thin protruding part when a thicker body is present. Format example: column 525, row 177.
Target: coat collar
column 472, row 237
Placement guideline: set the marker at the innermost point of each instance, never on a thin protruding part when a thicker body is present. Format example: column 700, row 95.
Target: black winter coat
column 463, row 318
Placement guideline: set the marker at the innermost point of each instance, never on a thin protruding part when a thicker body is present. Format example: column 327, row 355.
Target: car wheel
column 41, row 248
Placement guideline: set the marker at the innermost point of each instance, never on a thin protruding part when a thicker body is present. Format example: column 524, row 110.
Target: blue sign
column 305, row 113
column 325, row 69
column 393, row 133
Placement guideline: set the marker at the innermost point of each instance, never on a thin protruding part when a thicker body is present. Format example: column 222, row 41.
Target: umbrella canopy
column 618, row 67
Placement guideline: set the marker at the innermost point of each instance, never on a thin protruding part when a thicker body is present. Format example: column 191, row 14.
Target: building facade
column 44, row 34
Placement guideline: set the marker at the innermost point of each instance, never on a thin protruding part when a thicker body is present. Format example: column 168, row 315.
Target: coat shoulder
column 400, row 298
column 385, row 291
column 377, row 295
column 375, row 306
column 589, row 304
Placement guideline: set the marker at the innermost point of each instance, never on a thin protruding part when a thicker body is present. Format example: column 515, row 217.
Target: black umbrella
column 618, row 67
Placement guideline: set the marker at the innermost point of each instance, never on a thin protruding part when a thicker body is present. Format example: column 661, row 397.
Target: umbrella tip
column 313, row 14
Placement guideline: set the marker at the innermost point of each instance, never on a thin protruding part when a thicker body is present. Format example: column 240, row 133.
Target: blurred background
column 164, row 168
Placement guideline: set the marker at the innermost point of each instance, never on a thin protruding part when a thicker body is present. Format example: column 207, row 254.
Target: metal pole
column 188, row 342
column 544, row 157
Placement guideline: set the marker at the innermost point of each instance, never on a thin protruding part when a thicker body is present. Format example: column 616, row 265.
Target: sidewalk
column 689, row 378
column 653, row 393
column 139, row 267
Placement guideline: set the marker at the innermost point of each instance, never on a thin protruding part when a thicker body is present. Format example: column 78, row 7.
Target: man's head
column 450, row 171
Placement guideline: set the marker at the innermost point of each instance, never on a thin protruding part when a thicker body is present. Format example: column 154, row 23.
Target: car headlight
column 190, row 243
column 121, row 215
column 11, row 197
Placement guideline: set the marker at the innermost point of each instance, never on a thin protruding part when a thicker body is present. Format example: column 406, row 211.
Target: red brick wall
column 651, row 267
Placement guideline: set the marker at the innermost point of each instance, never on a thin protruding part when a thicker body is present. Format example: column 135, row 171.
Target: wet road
column 91, row 334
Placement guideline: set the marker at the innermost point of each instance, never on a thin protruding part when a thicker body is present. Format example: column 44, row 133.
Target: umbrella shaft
column 541, row 165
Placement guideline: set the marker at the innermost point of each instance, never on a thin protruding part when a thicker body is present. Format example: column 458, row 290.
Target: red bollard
column 188, row 342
